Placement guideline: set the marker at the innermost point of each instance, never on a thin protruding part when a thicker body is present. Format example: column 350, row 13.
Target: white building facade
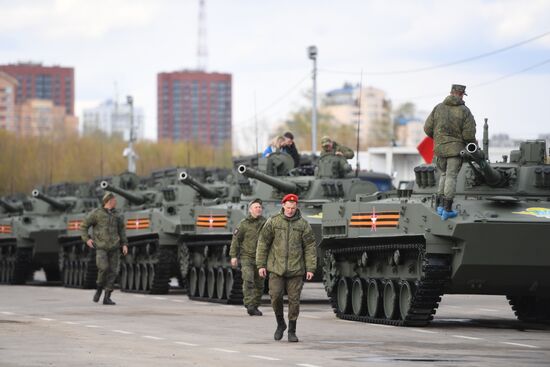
column 113, row 118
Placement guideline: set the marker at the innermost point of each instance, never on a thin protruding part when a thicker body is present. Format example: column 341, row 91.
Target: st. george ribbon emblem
column 373, row 219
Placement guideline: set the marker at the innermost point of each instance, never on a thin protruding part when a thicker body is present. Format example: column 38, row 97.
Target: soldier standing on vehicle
column 329, row 146
column 108, row 237
column 286, row 248
column 452, row 127
column 243, row 248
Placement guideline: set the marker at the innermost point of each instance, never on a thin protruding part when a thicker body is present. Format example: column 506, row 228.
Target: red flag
column 426, row 149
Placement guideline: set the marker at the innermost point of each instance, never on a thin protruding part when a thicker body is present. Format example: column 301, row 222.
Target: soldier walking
column 243, row 248
column 286, row 248
column 108, row 236
column 452, row 127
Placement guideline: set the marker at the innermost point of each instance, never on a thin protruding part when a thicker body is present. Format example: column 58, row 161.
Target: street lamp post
column 129, row 151
column 312, row 54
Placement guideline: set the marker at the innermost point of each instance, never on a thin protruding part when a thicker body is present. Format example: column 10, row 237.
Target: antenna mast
column 202, row 51
column 357, row 166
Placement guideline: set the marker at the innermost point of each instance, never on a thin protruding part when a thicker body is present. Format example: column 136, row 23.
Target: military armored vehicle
column 390, row 257
column 11, row 261
column 76, row 260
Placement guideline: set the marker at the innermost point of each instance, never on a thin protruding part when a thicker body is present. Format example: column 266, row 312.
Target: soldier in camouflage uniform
column 329, row 146
column 286, row 248
column 243, row 248
column 452, row 127
column 108, row 236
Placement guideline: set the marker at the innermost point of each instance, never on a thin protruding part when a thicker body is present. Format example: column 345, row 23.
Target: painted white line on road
column 46, row 319
column 453, row 306
column 152, row 337
column 139, row 295
column 7, row 313
column 92, row 326
column 488, row 309
column 377, row 325
column 186, row 344
column 224, row 350
column 264, row 357
column 177, row 301
column 310, row 316
column 71, row 323
column 424, row 331
column 122, row 332
column 466, row 337
column 521, row 345
column 306, row 365
column 160, row 298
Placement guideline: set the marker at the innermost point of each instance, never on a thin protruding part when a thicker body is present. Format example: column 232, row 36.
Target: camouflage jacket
column 108, row 229
column 245, row 238
column 286, row 246
column 346, row 152
column 452, row 126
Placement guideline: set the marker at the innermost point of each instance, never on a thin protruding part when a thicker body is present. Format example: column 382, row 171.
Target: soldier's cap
column 108, row 196
column 325, row 140
column 459, row 88
column 290, row 197
column 257, row 200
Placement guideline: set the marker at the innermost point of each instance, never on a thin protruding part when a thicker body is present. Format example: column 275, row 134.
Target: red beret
column 290, row 197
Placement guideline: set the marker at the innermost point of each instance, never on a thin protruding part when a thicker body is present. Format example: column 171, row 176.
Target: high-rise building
column 8, row 84
column 35, row 81
column 194, row 106
column 370, row 105
column 113, row 118
column 40, row 117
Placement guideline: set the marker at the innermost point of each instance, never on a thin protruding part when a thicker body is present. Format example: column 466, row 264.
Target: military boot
column 439, row 204
column 107, row 299
column 292, row 338
column 281, row 327
column 253, row 311
column 97, row 294
column 448, row 211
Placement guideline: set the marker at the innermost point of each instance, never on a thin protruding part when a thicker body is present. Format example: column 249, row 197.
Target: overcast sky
column 263, row 44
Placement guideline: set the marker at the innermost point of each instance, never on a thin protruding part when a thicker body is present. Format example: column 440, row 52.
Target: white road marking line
column 306, row 365
column 160, row 298
column 186, row 344
column 139, row 295
column 92, row 326
column 122, row 332
column 152, row 337
column 177, row 301
column 377, row 325
column 424, row 331
column 521, row 345
column 264, row 357
column 225, row 350
column 71, row 323
column 7, row 313
column 46, row 319
column 488, row 309
column 466, row 337
column 310, row 316
column 453, row 306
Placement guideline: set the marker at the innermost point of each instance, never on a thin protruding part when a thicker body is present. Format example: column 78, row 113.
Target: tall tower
column 202, row 50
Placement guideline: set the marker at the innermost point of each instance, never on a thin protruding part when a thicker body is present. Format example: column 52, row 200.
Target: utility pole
column 312, row 54
column 129, row 152
column 202, row 50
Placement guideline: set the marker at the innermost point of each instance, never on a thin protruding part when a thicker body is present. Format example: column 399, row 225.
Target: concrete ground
column 55, row 326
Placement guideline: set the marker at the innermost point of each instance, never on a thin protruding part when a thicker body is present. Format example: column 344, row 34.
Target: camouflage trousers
column 107, row 267
column 293, row 285
column 253, row 284
column 449, row 168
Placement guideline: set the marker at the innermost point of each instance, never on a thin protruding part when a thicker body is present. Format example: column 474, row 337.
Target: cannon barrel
column 491, row 176
column 8, row 207
column 281, row 185
column 204, row 191
column 56, row 204
column 132, row 198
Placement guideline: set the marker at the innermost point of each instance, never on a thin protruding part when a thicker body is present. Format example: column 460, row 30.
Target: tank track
column 16, row 264
column 160, row 266
column 530, row 308
column 428, row 289
column 80, row 272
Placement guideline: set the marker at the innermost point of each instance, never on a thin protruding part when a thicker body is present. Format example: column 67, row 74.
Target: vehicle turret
column 9, row 208
column 56, row 204
column 491, row 176
column 132, row 198
column 281, row 185
column 204, row 191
